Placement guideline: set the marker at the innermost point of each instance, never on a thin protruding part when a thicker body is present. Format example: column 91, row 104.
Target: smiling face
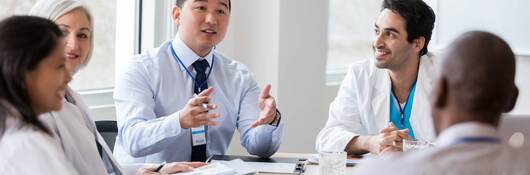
column 202, row 24
column 76, row 28
column 46, row 84
column 390, row 45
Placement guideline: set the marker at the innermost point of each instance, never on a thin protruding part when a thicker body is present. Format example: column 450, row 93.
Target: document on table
column 279, row 165
column 233, row 167
column 279, row 168
column 349, row 162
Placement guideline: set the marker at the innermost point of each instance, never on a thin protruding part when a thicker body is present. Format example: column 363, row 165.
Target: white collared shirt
column 77, row 135
column 153, row 87
column 450, row 156
column 27, row 150
column 453, row 134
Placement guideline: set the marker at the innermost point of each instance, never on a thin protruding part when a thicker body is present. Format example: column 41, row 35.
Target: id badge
column 198, row 135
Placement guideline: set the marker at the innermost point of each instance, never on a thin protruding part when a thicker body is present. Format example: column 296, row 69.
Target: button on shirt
column 153, row 87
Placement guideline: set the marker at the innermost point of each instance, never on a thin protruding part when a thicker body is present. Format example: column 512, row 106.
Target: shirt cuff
column 173, row 122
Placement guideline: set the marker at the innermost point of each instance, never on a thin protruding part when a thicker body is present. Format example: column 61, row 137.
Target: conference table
column 311, row 169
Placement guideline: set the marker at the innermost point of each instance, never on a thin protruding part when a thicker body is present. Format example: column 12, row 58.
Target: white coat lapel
column 421, row 119
column 381, row 98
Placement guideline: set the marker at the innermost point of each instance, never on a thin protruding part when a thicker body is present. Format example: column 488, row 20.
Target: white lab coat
column 26, row 150
column 453, row 157
column 362, row 105
column 77, row 135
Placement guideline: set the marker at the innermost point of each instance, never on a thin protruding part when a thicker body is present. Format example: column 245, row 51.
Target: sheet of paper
column 267, row 167
column 211, row 169
column 240, row 166
column 349, row 162
column 233, row 167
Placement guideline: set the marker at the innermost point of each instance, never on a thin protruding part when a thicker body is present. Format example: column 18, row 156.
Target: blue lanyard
column 197, row 84
column 402, row 109
column 483, row 139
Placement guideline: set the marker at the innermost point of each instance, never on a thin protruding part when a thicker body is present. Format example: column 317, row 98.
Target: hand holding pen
column 195, row 113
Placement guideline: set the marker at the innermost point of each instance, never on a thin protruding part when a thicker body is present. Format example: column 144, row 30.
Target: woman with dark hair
column 33, row 80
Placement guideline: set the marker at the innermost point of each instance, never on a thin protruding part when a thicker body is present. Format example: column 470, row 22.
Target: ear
column 418, row 43
column 176, row 15
column 439, row 93
column 513, row 99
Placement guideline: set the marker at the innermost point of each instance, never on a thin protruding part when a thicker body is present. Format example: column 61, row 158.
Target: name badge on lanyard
column 198, row 135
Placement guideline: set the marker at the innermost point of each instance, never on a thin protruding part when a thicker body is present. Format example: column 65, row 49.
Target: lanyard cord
column 402, row 109
column 189, row 73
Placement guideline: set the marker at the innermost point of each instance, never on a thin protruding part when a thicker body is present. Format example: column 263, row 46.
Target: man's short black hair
column 179, row 3
column 419, row 19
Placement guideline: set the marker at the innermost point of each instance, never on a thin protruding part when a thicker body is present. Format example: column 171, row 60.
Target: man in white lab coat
column 391, row 88
column 475, row 86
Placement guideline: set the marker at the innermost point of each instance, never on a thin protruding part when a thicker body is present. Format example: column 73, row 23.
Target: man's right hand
column 387, row 137
column 194, row 114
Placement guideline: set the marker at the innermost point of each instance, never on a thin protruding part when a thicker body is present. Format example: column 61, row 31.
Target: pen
column 209, row 159
column 160, row 166
column 204, row 105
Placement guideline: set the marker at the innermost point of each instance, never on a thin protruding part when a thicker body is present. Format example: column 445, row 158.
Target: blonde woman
column 78, row 135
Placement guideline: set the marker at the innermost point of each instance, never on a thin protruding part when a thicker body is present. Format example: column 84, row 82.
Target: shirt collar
column 186, row 55
column 468, row 129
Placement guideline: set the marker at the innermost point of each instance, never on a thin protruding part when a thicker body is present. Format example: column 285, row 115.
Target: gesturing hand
column 267, row 107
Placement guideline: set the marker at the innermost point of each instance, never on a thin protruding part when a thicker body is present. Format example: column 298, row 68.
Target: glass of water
column 415, row 145
column 332, row 162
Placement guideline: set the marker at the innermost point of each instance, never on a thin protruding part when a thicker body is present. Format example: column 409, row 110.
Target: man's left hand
column 267, row 107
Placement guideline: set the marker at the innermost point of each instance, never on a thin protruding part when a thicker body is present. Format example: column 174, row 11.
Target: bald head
column 478, row 73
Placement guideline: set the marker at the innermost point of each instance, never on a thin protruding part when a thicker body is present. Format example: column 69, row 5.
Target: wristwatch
column 277, row 120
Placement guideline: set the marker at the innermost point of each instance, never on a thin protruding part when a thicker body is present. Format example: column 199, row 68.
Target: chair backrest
column 109, row 131
column 515, row 130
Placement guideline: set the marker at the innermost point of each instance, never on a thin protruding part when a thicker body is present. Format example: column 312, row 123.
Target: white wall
column 303, row 50
column 253, row 40
column 504, row 18
column 285, row 43
column 522, row 80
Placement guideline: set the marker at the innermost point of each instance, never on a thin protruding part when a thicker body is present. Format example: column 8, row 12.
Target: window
column 14, row 7
column 99, row 74
column 350, row 32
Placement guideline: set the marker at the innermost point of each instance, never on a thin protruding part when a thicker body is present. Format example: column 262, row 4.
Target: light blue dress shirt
column 153, row 87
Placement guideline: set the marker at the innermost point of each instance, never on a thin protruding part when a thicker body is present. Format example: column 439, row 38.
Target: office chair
column 109, row 131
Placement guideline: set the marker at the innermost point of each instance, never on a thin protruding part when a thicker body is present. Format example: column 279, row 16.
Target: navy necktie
column 198, row 152
column 200, row 79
